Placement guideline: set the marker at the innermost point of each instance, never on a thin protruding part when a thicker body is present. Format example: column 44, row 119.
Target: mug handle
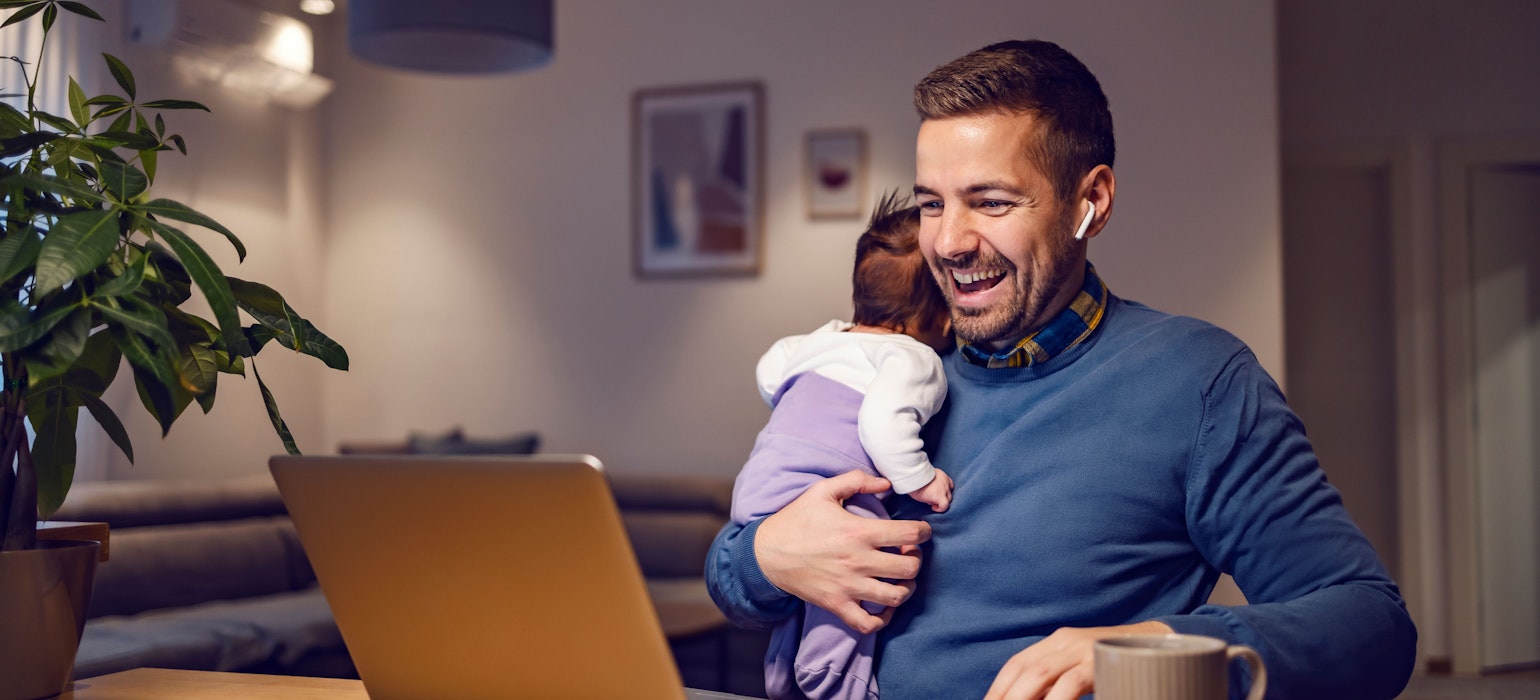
column 1258, row 671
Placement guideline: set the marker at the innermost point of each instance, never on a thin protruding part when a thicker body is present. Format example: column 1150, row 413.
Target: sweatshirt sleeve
column 1324, row 614
column 907, row 389
column 737, row 584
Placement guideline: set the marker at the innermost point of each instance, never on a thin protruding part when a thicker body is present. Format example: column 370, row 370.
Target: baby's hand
column 937, row 494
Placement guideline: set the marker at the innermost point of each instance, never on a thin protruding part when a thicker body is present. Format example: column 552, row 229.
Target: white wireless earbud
column 1086, row 222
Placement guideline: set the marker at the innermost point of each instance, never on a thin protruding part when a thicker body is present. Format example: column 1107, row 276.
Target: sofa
column 210, row 575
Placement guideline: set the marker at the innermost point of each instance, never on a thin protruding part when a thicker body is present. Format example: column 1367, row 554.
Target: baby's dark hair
column 892, row 287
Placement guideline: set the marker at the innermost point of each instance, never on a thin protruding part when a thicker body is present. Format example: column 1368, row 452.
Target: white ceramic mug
column 1171, row 667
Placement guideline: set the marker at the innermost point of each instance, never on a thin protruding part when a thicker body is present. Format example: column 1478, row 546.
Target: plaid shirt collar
column 1074, row 324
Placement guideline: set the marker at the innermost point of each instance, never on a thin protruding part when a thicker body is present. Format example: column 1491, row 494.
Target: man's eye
column 993, row 204
column 930, row 208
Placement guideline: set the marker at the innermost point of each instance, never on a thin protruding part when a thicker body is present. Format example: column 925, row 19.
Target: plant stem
column 19, row 489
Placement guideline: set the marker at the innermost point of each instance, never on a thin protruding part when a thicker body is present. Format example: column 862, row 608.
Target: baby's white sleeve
column 770, row 373
column 907, row 390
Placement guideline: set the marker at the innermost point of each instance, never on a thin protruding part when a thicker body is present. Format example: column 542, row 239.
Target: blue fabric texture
column 1111, row 485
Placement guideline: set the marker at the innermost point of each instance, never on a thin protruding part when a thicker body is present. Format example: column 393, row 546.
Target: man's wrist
column 756, row 586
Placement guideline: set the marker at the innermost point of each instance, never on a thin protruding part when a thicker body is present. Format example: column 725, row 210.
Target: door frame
column 1419, row 453
column 1457, row 160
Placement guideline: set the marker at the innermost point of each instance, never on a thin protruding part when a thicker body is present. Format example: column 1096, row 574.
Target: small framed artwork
column 696, row 174
column 836, row 173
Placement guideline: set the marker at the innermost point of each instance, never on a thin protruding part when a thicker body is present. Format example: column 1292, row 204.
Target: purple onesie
column 811, row 435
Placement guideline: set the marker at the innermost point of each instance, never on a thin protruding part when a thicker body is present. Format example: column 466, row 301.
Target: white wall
column 478, row 235
column 1404, row 79
column 468, row 239
column 256, row 169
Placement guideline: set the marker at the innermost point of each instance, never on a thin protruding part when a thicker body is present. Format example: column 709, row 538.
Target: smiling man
column 1110, row 460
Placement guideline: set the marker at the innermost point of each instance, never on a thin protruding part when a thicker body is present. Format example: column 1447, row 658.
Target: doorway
column 1491, row 239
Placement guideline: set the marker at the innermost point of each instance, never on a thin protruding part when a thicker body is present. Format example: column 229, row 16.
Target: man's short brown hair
column 1037, row 78
column 891, row 285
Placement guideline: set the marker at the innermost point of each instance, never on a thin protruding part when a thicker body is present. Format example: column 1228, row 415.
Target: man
column 1109, row 459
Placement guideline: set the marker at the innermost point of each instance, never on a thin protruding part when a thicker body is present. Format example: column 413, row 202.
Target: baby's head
column 892, row 287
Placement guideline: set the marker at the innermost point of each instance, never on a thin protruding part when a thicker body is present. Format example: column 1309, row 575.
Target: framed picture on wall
column 696, row 174
column 835, row 173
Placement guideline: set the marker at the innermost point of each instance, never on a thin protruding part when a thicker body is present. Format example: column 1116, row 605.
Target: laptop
column 480, row 577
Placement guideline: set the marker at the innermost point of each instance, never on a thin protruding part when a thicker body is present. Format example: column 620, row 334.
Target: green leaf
column 156, row 396
column 167, row 276
column 25, row 143
column 230, row 363
column 23, row 13
column 18, row 252
column 210, row 280
column 272, row 413
column 78, row 103
column 76, row 245
column 83, row 11
column 109, row 422
column 124, row 181
column 97, row 366
column 10, row 4
column 18, row 329
column 199, row 371
column 59, row 350
column 49, row 15
column 13, row 120
column 168, row 209
column 122, row 74
column 148, row 324
column 256, row 297
column 56, row 121
column 174, row 104
column 53, row 449
column 160, row 126
column 109, row 100
column 127, row 139
column 284, row 324
column 81, row 196
column 148, row 159
column 121, row 123
column 126, row 283
column 181, row 145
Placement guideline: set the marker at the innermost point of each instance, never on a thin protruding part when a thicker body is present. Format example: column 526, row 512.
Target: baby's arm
column 906, row 391
column 937, row 494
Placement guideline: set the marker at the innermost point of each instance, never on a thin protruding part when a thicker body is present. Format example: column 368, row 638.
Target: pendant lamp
column 453, row 36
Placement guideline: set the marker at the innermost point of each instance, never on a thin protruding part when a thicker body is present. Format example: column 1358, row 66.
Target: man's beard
column 1002, row 326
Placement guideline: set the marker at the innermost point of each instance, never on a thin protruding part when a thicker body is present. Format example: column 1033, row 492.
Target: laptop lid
column 479, row 577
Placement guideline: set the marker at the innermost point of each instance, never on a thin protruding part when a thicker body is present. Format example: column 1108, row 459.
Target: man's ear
column 1097, row 187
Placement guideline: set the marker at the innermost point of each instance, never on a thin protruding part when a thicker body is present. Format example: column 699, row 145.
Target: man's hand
column 1062, row 665
column 816, row 550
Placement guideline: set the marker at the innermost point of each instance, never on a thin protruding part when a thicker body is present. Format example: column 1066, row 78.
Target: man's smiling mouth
column 977, row 281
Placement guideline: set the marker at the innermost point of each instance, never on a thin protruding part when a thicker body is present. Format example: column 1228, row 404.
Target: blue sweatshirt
column 1111, row 485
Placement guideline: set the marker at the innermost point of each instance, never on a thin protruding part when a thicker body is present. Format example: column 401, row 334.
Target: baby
column 851, row 396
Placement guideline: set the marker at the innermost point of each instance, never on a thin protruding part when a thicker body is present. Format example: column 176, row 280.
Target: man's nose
column 954, row 235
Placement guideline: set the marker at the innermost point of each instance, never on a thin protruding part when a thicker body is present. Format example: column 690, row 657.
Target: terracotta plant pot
column 44, row 594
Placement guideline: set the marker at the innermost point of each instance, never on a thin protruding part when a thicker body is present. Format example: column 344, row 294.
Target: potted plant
column 95, row 271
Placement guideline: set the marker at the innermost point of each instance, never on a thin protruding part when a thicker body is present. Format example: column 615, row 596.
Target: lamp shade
column 453, row 36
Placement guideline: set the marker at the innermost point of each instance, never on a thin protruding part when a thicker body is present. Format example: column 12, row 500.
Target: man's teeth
column 971, row 277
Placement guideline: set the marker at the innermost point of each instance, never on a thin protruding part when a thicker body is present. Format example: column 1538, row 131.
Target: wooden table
column 167, row 684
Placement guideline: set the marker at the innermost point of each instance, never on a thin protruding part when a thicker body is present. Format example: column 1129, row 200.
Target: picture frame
column 697, row 180
column 835, row 173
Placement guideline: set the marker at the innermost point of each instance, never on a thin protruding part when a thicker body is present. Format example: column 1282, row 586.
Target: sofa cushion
column 125, row 504
column 220, row 636
column 172, row 565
